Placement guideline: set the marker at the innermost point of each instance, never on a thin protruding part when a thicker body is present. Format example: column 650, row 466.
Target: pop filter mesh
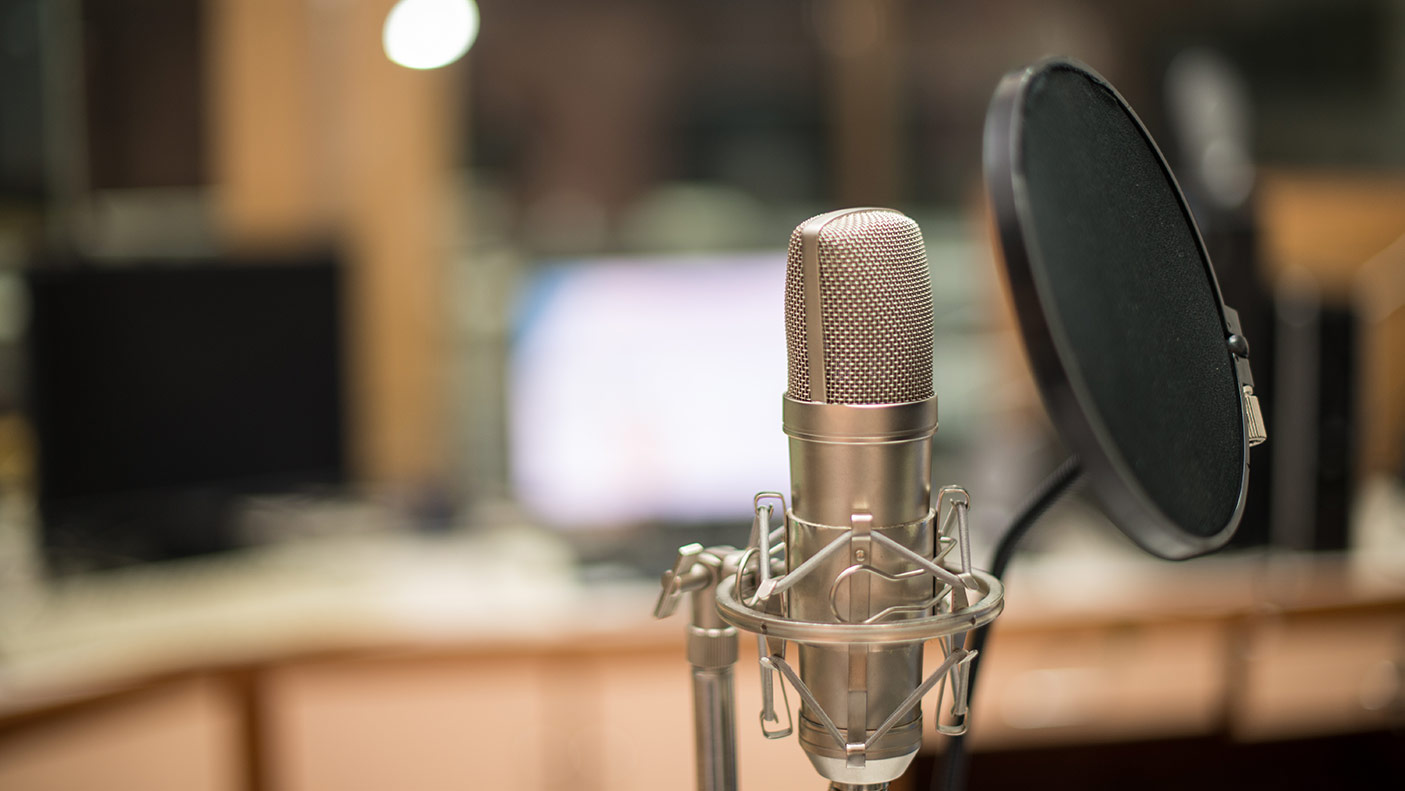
column 1114, row 251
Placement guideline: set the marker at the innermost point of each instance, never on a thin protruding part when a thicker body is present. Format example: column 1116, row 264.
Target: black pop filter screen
column 1122, row 277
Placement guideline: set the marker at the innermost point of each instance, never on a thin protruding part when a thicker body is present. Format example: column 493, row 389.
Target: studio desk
column 428, row 664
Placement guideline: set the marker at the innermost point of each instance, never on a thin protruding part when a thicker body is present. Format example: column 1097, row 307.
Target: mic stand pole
column 712, row 650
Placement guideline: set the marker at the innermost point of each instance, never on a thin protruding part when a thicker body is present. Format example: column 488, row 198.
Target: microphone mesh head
column 876, row 310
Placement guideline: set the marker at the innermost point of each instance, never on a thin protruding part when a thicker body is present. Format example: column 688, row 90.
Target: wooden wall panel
column 185, row 736
column 432, row 724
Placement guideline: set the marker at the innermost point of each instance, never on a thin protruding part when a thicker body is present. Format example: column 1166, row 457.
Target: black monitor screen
column 151, row 380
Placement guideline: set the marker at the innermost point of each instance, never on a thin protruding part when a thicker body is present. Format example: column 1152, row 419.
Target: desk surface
column 515, row 592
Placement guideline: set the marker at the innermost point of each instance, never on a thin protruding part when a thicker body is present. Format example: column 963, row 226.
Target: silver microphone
column 865, row 570
column 860, row 413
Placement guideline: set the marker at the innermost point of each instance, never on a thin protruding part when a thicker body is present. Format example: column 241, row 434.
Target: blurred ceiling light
column 428, row 34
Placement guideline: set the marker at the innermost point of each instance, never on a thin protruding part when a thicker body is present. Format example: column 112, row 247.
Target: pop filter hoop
column 1135, row 500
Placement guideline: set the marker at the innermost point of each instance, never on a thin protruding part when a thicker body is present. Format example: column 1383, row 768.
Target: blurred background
column 363, row 363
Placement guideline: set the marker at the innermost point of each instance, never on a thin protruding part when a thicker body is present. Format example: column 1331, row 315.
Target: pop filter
column 1142, row 367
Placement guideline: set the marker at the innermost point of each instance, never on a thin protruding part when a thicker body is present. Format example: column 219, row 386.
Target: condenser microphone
column 860, row 413
column 1144, row 371
column 868, row 567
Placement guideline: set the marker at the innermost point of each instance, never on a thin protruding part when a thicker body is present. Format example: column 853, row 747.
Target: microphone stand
column 712, row 650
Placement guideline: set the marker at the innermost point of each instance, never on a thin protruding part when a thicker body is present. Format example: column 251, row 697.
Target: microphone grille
column 875, row 298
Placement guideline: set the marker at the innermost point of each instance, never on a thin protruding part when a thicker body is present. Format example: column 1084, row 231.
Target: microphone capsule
column 858, row 309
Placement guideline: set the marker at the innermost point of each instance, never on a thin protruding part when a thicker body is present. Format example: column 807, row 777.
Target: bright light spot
column 428, row 34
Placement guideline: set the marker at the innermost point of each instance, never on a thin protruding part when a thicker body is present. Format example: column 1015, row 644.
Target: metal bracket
column 751, row 599
column 959, row 658
column 1255, row 431
column 675, row 581
column 761, row 538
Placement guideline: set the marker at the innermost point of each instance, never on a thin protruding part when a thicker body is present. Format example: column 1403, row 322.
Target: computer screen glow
column 649, row 390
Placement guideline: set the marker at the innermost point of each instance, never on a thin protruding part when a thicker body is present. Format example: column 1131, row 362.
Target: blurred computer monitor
column 160, row 392
column 648, row 390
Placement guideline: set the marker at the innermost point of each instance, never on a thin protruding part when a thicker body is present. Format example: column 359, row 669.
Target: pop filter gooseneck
column 1142, row 368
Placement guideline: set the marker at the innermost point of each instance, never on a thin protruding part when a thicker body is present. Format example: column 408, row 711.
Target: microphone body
column 860, row 414
column 864, row 574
